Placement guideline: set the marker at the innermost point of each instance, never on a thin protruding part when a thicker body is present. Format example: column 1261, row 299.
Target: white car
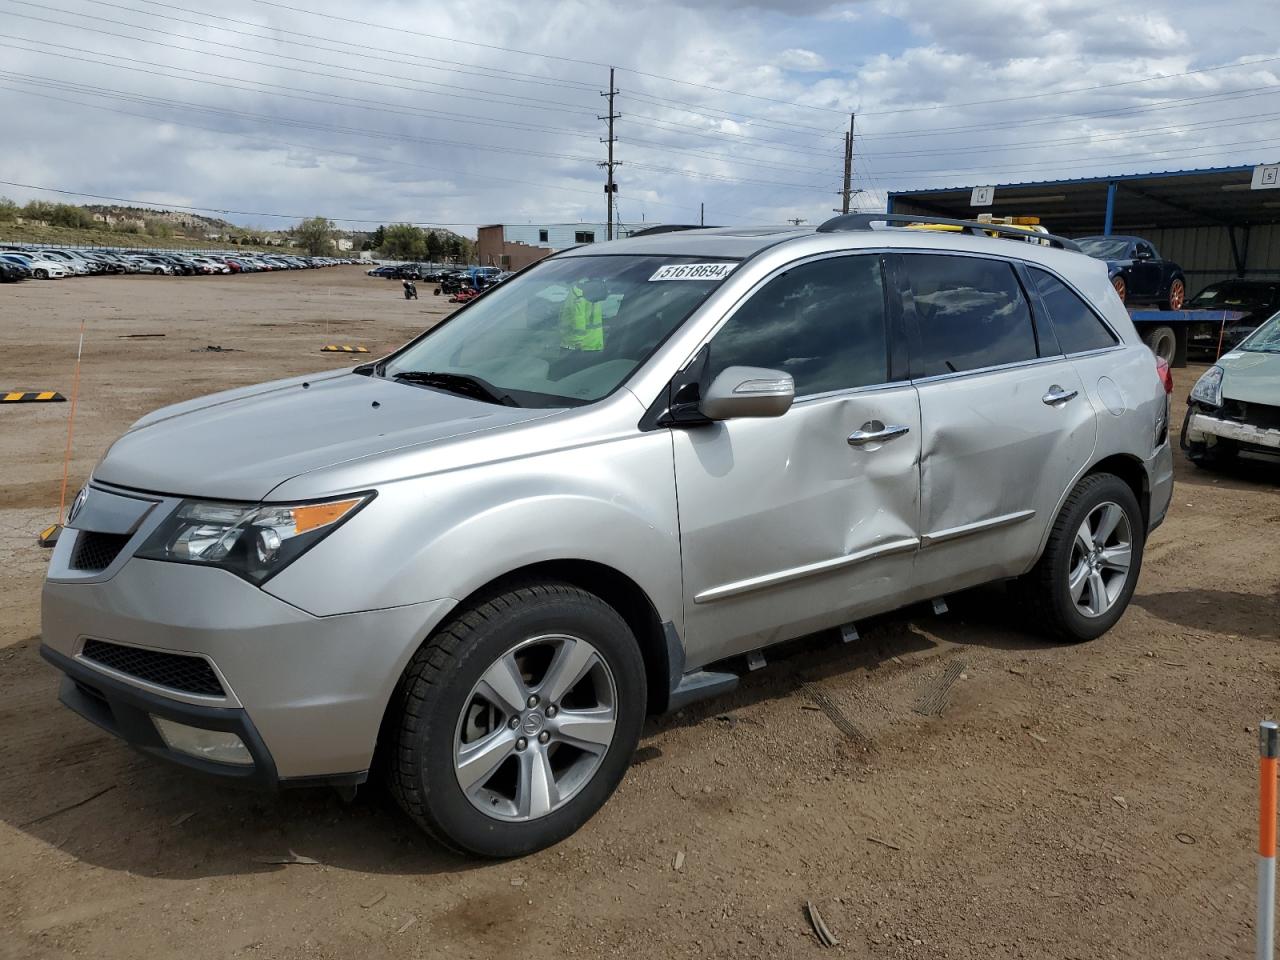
column 40, row 268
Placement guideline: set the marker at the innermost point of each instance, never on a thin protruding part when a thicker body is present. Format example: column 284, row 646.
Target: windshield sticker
column 693, row 271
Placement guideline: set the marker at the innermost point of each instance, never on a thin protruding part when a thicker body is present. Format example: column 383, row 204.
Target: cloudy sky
column 464, row 113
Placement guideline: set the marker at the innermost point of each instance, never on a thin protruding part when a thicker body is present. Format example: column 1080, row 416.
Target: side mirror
column 748, row 392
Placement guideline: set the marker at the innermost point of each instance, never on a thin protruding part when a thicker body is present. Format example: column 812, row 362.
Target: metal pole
column 1111, row 209
column 609, row 163
column 1268, row 749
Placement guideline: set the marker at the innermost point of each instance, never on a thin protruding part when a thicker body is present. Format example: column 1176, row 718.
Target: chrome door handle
column 1057, row 395
column 875, row 432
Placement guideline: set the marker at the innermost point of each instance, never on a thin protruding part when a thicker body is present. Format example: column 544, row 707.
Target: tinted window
column 972, row 314
column 822, row 322
column 1078, row 328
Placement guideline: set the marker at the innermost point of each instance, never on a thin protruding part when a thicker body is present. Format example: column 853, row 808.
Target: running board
column 700, row 685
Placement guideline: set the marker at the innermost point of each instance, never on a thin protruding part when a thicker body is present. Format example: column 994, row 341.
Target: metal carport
column 1210, row 221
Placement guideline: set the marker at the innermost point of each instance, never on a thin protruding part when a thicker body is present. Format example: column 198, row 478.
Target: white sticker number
column 693, row 271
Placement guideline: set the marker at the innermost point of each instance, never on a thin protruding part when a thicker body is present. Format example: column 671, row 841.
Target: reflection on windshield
column 570, row 330
column 1104, row 248
column 1231, row 295
column 1266, row 339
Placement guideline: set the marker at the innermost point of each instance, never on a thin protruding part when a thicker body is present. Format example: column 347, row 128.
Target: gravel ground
column 1070, row 801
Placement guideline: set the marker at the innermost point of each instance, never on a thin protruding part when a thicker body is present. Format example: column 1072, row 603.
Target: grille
column 95, row 551
column 1258, row 414
column 174, row 670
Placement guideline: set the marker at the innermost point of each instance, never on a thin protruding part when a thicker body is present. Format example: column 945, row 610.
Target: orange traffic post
column 1269, row 748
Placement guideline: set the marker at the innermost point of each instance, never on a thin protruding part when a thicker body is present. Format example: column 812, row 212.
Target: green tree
column 375, row 240
column 315, row 236
column 8, row 210
column 159, row 228
column 403, row 241
column 435, row 246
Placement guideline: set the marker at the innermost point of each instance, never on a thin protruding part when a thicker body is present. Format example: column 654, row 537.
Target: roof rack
column 664, row 228
column 864, row 221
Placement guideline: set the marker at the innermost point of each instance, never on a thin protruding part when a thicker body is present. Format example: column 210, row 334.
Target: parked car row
column 21, row 263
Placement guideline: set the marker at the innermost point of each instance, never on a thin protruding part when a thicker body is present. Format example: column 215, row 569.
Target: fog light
column 220, row 746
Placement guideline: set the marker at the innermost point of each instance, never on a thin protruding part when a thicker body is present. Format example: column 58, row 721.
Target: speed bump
column 337, row 348
column 32, row 396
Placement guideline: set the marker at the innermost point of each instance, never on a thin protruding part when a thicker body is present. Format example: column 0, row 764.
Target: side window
column 1144, row 251
column 972, row 314
column 1078, row 327
column 822, row 322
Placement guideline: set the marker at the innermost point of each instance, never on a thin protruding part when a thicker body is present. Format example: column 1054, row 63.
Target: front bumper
column 309, row 691
column 1200, row 426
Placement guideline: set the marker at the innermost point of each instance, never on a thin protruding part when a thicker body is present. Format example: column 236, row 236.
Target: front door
column 1005, row 420
column 796, row 523
column 1145, row 275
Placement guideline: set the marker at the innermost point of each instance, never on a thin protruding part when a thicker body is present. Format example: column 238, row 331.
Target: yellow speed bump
column 339, row 348
column 32, row 396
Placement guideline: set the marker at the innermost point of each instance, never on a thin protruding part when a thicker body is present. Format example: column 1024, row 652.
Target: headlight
column 254, row 541
column 1208, row 389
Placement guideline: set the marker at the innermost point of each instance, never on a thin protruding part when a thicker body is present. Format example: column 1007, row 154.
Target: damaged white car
column 1235, row 406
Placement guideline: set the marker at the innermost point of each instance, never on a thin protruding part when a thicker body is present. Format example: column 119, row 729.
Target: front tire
column 1177, row 295
column 42, row 274
column 1122, row 288
column 514, row 724
column 1086, row 576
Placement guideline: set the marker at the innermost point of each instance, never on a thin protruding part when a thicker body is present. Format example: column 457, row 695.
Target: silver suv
column 588, row 494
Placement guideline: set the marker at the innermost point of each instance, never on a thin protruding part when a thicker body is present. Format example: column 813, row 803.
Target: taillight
column 1166, row 374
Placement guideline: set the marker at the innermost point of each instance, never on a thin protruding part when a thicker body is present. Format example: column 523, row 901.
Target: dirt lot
column 1093, row 801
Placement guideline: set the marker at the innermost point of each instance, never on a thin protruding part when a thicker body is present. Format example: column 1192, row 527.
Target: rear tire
column 1177, row 295
column 1163, row 342
column 446, row 705
column 1048, row 593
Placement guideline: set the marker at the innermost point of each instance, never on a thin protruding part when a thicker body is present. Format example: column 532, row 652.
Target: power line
column 368, row 159
column 496, row 73
column 534, row 103
column 1166, row 104
column 319, row 96
column 1063, row 93
column 544, row 56
column 234, row 213
column 1137, row 134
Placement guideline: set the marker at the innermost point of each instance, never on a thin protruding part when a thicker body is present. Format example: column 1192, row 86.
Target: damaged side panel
column 786, row 527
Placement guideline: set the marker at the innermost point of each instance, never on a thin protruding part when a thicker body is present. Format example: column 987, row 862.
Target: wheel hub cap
column 535, row 728
column 1100, row 560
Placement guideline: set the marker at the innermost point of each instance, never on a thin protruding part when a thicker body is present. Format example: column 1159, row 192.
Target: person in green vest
column 582, row 317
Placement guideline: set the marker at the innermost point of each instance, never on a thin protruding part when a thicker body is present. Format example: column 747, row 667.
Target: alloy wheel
column 535, row 728
column 1101, row 556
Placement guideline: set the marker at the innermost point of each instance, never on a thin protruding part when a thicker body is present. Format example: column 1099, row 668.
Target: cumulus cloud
column 366, row 113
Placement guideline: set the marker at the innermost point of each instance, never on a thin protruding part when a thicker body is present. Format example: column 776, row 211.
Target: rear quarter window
column 1079, row 329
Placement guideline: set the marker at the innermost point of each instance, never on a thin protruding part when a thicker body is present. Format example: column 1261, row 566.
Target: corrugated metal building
column 1215, row 223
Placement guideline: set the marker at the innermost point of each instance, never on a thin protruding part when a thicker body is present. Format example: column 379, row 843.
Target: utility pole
column 847, row 192
column 610, row 188
column 702, row 214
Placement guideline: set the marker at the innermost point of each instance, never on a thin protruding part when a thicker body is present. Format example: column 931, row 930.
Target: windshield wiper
column 461, row 383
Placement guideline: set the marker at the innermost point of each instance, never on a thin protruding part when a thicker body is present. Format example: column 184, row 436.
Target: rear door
column 1005, row 422
column 799, row 522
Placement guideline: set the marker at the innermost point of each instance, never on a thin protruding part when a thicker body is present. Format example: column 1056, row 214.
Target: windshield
column 569, row 331
column 1224, row 296
column 1104, row 248
column 1266, row 339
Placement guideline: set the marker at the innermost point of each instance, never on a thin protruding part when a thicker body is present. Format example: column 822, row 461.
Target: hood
column 241, row 444
column 1251, row 377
